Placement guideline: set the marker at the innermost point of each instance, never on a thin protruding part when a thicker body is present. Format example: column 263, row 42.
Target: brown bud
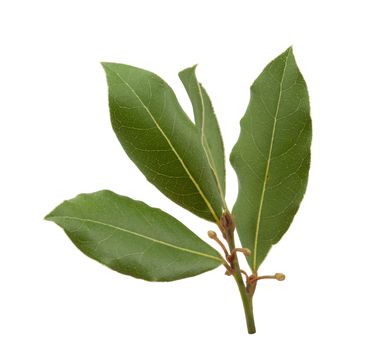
column 279, row 276
column 212, row 234
column 246, row 252
column 227, row 222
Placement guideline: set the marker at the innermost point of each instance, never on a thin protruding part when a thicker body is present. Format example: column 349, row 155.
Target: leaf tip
column 191, row 69
column 48, row 217
column 289, row 51
column 105, row 65
column 109, row 67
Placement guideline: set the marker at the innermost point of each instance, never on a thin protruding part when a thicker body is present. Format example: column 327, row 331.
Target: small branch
column 277, row 276
column 245, row 251
column 214, row 236
column 246, row 275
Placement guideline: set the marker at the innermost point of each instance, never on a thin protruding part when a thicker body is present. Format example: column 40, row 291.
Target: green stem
column 247, row 303
column 227, row 224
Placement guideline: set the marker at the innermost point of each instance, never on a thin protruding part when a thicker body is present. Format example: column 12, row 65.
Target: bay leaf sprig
column 186, row 162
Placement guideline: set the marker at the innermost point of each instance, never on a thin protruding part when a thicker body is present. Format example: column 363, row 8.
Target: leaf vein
column 268, row 162
column 173, row 149
column 153, row 240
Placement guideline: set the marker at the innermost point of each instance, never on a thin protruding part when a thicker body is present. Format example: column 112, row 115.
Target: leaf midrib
column 209, row 156
column 138, row 235
column 212, row 211
column 268, row 164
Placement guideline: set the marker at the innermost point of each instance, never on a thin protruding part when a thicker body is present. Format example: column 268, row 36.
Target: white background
column 56, row 141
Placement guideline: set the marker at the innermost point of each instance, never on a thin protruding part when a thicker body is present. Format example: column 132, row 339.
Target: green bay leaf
column 207, row 125
column 161, row 140
column 132, row 238
column 272, row 156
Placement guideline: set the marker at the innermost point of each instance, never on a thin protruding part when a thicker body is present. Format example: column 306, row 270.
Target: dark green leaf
column 207, row 125
column 132, row 238
column 272, row 156
column 161, row 140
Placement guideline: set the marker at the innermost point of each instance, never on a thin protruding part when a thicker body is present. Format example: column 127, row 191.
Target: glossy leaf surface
column 272, row 156
column 161, row 140
column 132, row 238
column 207, row 125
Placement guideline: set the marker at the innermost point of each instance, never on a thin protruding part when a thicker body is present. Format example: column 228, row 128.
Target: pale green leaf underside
column 132, row 238
column 161, row 140
column 272, row 156
column 207, row 125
